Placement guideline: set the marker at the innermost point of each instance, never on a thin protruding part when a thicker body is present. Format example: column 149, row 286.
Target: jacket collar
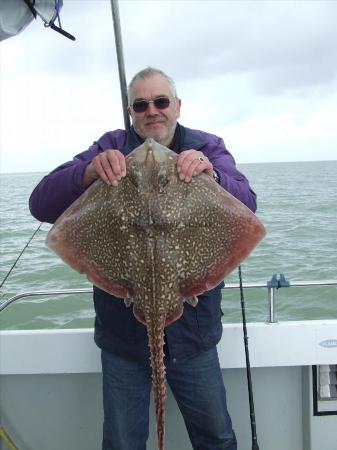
column 132, row 141
column 189, row 139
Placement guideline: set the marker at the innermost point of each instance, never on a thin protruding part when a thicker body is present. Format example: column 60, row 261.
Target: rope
column 21, row 253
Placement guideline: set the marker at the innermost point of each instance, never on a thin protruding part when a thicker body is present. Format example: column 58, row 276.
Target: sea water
column 297, row 203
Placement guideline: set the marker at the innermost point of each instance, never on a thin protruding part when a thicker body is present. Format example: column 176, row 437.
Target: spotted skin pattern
column 156, row 241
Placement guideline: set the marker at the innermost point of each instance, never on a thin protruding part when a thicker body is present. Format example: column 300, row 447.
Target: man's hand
column 109, row 166
column 191, row 163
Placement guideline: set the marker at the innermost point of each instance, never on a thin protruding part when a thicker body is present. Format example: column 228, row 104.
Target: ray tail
column 155, row 330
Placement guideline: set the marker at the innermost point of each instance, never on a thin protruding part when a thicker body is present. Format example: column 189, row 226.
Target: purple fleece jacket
column 64, row 185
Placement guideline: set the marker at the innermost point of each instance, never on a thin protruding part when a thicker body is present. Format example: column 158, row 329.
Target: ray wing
column 99, row 237
column 211, row 233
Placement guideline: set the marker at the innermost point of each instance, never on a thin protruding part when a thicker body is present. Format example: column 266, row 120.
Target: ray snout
column 150, row 153
column 150, row 158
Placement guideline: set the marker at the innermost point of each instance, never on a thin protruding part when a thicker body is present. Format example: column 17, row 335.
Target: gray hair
column 150, row 72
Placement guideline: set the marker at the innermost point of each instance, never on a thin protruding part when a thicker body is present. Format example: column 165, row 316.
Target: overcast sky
column 260, row 74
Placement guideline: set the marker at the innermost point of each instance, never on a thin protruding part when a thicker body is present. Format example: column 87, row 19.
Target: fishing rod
column 19, row 256
column 255, row 445
column 120, row 60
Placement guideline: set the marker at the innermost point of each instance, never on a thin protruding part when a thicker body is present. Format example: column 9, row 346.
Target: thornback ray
column 156, row 241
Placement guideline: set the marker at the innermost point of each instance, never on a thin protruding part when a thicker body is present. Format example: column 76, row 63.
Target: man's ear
column 178, row 105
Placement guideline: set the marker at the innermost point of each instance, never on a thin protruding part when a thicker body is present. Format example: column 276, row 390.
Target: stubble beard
column 164, row 138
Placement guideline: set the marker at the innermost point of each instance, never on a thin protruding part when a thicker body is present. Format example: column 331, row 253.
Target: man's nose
column 151, row 109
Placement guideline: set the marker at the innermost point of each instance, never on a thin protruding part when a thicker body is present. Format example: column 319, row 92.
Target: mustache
column 154, row 119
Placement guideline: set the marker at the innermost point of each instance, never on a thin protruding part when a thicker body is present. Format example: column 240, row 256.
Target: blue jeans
column 197, row 386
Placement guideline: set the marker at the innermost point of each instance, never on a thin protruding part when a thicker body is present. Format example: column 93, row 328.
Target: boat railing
column 277, row 281
column 45, row 293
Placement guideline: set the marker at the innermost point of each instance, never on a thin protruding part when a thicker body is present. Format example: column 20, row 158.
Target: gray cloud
column 284, row 46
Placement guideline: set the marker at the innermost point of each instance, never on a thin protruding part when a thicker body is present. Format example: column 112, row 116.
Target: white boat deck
column 297, row 343
column 51, row 388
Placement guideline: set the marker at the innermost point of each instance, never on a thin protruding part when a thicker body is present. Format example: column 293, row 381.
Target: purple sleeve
column 230, row 178
column 64, row 185
column 60, row 188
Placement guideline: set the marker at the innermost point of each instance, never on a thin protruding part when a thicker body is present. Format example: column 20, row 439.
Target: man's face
column 158, row 124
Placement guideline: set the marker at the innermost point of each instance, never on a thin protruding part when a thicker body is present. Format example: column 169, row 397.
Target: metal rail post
column 120, row 60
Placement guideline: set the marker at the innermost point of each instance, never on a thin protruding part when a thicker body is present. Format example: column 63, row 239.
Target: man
column 192, row 365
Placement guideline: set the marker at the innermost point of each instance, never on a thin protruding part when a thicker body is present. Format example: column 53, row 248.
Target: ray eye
column 134, row 177
column 163, row 180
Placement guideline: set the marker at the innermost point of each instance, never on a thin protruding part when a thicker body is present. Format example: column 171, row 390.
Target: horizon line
column 238, row 163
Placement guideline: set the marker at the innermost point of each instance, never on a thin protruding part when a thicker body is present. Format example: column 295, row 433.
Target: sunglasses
column 140, row 106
